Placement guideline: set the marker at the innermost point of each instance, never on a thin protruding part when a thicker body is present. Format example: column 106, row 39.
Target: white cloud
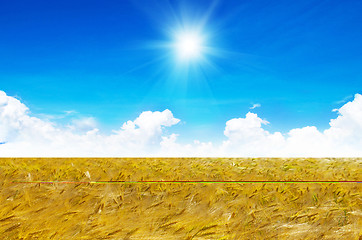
column 246, row 137
column 25, row 135
column 345, row 99
column 256, row 105
column 170, row 148
column 30, row 136
column 83, row 124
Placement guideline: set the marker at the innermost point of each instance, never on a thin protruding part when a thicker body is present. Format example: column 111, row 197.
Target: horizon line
column 179, row 181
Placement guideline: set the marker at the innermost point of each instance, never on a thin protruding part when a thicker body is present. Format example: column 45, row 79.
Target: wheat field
column 72, row 198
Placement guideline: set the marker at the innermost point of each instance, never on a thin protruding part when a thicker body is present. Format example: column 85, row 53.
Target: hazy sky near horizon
column 102, row 63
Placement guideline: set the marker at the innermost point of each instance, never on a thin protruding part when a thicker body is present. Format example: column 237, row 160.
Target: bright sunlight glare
column 188, row 45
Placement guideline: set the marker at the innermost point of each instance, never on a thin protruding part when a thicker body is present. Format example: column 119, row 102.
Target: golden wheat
column 96, row 210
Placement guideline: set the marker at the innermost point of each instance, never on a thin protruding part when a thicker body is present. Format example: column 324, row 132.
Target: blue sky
column 297, row 59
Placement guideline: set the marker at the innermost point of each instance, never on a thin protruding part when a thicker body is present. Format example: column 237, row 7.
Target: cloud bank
column 22, row 135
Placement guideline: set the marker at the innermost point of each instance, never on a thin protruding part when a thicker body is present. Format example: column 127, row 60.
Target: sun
column 188, row 45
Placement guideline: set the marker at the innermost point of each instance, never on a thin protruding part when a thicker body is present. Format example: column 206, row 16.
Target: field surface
column 78, row 198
